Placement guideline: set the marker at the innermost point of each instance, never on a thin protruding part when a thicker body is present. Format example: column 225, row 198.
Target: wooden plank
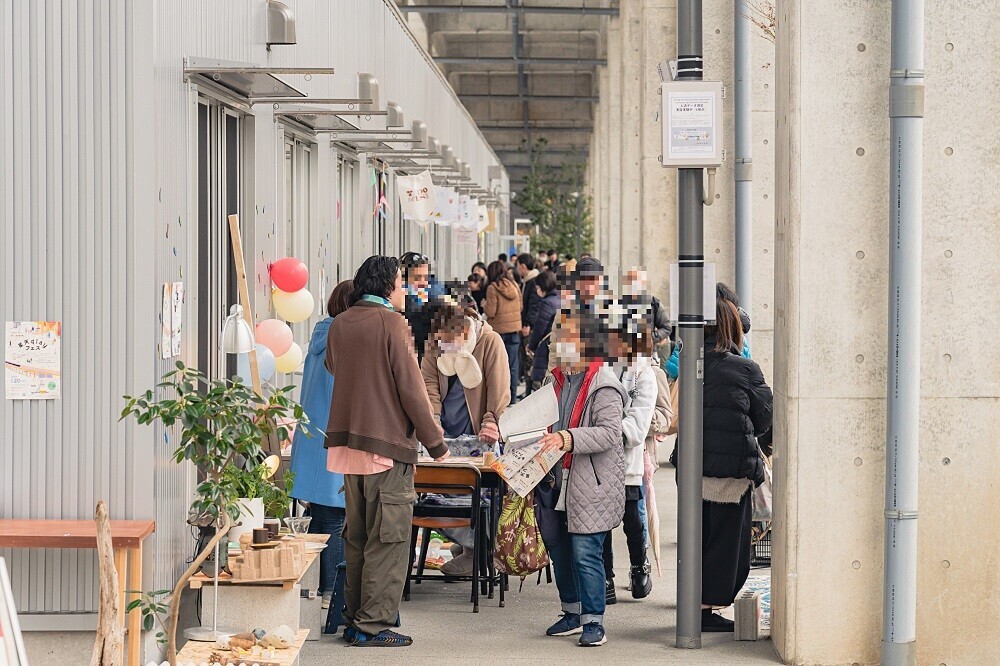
column 133, row 638
column 200, row 579
column 199, row 653
column 38, row 533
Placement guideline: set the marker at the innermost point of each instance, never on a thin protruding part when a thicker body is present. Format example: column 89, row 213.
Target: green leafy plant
column 222, row 424
column 254, row 483
column 278, row 497
column 152, row 606
column 549, row 199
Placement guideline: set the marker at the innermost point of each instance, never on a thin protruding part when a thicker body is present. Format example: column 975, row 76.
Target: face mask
column 450, row 347
column 567, row 352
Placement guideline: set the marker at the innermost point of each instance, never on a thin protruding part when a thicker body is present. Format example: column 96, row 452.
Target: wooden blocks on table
column 283, row 562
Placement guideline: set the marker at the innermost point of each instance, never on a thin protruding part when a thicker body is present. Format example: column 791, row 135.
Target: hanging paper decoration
column 466, row 213
column 446, row 211
column 482, row 218
column 417, row 196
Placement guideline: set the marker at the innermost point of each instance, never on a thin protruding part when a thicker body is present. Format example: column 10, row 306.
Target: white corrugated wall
column 98, row 209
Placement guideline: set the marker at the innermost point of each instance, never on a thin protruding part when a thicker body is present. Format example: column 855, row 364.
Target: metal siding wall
column 63, row 216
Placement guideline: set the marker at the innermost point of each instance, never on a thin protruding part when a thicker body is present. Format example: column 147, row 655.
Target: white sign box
column 692, row 123
column 708, row 293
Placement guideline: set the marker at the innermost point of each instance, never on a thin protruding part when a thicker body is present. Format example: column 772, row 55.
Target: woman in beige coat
column 502, row 308
column 467, row 377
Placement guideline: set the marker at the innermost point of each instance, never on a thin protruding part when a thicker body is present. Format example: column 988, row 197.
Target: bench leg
column 134, row 637
column 121, row 561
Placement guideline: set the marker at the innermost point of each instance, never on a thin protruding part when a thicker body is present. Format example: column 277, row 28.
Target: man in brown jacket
column 378, row 414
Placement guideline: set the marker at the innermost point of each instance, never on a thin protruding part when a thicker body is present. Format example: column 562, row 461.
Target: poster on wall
column 32, row 360
column 166, row 348
column 171, row 319
column 465, row 236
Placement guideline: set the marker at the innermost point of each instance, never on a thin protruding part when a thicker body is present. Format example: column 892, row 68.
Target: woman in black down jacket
column 737, row 410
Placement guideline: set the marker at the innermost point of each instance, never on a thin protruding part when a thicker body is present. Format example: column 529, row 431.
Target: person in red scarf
column 583, row 496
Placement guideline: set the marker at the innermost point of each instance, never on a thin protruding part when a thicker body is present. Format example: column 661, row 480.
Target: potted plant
column 259, row 497
column 221, row 422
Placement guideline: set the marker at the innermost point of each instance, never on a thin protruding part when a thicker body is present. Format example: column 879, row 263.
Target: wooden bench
column 126, row 539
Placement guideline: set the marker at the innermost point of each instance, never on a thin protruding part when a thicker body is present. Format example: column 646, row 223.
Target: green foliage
column 547, row 198
column 152, row 605
column 222, row 424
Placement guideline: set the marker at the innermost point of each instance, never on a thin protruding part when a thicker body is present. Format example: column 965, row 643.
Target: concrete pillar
column 832, row 158
column 630, row 224
column 658, row 194
column 612, row 251
column 595, row 184
column 604, row 164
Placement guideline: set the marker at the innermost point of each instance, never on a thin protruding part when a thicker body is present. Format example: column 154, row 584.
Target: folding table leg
column 425, row 542
column 412, row 555
column 477, row 550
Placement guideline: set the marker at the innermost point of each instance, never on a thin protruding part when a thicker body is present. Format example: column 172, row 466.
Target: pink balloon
column 289, row 274
column 275, row 335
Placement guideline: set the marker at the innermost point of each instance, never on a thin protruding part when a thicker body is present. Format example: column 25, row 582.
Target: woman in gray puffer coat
column 583, row 496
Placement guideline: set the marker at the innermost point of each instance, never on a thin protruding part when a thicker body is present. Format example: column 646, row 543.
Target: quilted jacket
column 595, row 494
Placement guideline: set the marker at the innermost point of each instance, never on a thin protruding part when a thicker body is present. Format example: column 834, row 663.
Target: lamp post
column 236, row 337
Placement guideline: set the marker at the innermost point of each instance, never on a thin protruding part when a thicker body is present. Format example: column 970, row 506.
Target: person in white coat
column 632, row 343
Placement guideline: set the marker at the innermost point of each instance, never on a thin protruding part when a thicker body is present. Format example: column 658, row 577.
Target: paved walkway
column 440, row 619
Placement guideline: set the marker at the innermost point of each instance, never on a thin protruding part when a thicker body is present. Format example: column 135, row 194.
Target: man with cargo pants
column 378, row 413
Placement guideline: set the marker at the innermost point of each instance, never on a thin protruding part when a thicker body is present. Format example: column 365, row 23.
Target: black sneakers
column 642, row 582
column 610, row 598
column 714, row 623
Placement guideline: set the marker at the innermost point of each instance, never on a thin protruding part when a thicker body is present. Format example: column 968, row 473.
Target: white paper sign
column 708, row 296
column 417, row 196
column 446, row 212
column 32, row 360
column 482, row 218
column 176, row 317
column 166, row 346
column 533, row 414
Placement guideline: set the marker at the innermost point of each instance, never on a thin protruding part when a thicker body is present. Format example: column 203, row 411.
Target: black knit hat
column 588, row 267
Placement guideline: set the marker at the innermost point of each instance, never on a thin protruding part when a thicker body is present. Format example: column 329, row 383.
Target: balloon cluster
column 276, row 351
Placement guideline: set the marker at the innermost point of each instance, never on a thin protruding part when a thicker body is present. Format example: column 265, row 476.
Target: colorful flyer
column 32, row 360
column 176, row 317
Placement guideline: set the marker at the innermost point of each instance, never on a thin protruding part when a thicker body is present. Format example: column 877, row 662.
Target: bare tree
column 761, row 14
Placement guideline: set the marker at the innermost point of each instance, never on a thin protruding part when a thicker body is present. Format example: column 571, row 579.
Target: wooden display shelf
column 199, row 653
column 199, row 579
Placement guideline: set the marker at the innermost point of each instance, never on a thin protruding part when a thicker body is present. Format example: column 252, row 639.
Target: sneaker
column 460, row 566
column 642, row 582
column 327, row 597
column 456, row 550
column 714, row 623
column 350, row 635
column 593, row 635
column 384, row 638
column 567, row 625
column 610, row 598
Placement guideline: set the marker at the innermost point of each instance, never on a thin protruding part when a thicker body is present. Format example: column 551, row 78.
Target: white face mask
column 451, row 347
column 567, row 352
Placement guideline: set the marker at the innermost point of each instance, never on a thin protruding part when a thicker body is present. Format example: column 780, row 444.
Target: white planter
column 251, row 516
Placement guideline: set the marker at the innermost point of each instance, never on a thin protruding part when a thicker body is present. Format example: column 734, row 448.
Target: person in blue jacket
column 322, row 490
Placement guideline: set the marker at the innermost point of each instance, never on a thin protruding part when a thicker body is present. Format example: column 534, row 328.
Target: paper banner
column 482, row 218
column 446, row 210
column 32, row 359
column 417, row 196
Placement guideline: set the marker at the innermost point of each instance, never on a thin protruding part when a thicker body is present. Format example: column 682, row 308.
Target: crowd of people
column 438, row 361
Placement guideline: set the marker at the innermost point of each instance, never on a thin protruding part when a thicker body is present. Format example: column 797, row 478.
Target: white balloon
column 265, row 364
column 294, row 307
column 290, row 361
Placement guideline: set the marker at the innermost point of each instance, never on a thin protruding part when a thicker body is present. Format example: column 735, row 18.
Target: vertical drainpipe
column 744, row 152
column 906, row 110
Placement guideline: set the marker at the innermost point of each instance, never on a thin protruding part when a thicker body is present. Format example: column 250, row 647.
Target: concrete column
column 595, row 185
column 630, row 224
column 612, row 251
column 832, row 156
column 604, row 164
column 658, row 195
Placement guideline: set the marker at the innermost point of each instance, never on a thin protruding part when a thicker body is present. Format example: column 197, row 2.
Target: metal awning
column 248, row 80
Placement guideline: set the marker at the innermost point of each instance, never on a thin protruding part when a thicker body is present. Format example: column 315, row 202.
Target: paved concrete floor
column 440, row 619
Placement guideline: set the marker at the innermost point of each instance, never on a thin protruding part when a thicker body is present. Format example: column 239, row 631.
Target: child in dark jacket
column 548, row 306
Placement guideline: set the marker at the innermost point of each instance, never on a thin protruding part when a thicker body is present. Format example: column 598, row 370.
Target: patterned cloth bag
column 519, row 549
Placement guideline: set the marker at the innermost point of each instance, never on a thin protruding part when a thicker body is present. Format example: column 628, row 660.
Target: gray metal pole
column 744, row 154
column 906, row 110
column 691, row 219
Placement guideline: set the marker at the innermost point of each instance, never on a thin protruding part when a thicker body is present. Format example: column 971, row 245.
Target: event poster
column 32, row 360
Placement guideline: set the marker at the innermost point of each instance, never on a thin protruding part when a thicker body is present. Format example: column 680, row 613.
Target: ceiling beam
column 577, row 10
column 545, row 151
column 531, row 97
column 486, row 60
column 533, row 128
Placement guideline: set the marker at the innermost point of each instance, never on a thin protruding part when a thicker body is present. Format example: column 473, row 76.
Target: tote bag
column 762, row 499
column 519, row 549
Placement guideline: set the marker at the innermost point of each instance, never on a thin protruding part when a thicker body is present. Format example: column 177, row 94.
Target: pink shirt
column 343, row 460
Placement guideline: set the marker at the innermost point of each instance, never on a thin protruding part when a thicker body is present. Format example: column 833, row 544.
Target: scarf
column 462, row 362
column 581, row 399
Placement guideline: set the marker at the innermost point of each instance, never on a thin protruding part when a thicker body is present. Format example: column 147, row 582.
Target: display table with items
column 278, row 648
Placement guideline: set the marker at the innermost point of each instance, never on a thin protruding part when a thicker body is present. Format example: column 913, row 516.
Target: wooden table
column 199, row 653
column 200, row 579
column 126, row 539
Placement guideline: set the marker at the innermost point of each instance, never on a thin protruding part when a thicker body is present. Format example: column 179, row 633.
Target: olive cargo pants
column 379, row 513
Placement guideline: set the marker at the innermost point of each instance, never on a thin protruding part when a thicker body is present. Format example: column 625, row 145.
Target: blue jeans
column 328, row 520
column 512, row 342
column 578, row 564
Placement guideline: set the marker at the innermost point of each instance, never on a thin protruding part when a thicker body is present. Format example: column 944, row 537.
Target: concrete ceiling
column 525, row 69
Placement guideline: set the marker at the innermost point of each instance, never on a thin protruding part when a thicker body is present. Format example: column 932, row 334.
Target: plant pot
column 251, row 516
